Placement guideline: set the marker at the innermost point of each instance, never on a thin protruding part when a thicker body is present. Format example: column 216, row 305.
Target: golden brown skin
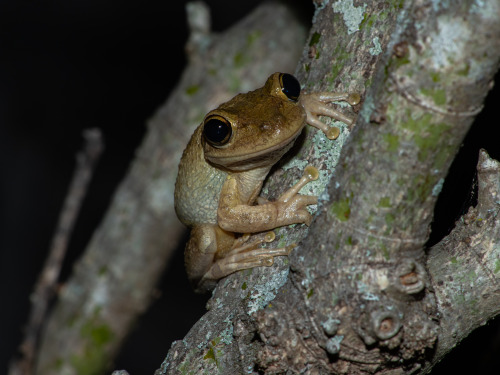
column 217, row 185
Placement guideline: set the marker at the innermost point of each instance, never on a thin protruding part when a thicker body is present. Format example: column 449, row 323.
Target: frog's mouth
column 263, row 157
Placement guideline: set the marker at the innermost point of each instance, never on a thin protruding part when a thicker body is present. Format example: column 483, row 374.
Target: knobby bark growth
column 362, row 294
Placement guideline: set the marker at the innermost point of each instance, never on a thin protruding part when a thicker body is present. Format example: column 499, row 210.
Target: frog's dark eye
column 290, row 86
column 217, row 130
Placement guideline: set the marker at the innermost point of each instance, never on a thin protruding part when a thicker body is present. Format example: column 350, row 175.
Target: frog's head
column 255, row 129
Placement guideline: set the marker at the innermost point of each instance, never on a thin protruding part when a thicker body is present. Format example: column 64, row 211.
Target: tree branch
column 46, row 286
column 465, row 266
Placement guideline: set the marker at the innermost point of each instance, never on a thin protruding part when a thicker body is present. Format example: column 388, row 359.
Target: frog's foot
column 246, row 256
column 315, row 105
column 241, row 245
column 293, row 205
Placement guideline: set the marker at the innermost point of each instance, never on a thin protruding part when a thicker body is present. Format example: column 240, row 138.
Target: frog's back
column 198, row 185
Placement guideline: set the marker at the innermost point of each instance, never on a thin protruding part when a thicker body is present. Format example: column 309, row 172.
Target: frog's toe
column 306, row 217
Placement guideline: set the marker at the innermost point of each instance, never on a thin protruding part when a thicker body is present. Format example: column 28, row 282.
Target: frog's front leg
column 290, row 208
column 314, row 105
column 213, row 253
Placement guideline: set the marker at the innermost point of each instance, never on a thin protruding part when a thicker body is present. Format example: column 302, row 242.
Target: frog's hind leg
column 246, row 255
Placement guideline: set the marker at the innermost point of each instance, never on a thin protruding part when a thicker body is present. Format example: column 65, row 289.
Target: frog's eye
column 290, row 86
column 217, row 130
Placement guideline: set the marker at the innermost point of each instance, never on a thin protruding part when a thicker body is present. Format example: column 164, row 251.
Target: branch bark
column 46, row 286
column 359, row 297
column 465, row 266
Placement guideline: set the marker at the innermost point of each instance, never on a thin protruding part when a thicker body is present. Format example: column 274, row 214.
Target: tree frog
column 223, row 168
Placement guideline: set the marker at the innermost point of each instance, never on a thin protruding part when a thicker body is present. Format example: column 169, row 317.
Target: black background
column 70, row 65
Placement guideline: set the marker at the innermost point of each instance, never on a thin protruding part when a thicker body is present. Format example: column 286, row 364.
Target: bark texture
column 360, row 294
column 114, row 280
column 465, row 266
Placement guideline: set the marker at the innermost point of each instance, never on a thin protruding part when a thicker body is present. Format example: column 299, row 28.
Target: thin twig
column 46, row 285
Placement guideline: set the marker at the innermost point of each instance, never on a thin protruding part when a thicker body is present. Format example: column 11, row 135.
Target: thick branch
column 360, row 273
column 238, row 297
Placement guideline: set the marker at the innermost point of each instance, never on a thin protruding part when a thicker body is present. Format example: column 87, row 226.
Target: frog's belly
column 197, row 195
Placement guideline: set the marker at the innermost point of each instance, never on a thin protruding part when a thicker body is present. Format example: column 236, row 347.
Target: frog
column 223, row 168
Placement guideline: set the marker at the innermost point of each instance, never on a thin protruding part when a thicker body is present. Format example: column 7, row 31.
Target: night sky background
column 69, row 65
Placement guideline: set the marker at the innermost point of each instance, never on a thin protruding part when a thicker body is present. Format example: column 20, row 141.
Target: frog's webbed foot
column 294, row 203
column 291, row 204
column 315, row 105
column 246, row 255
